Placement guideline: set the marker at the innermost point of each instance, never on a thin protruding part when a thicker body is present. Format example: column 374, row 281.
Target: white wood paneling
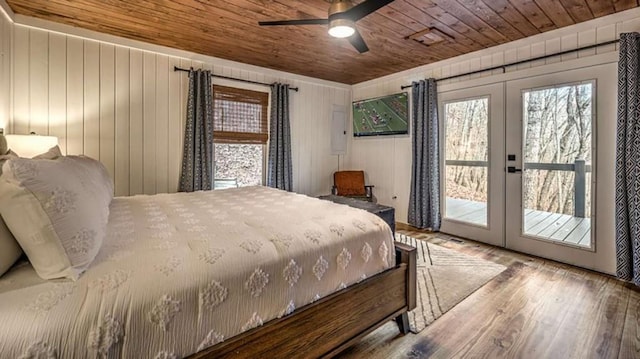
column 38, row 81
column 387, row 160
column 91, row 99
column 58, row 88
column 107, row 109
column 122, row 125
column 149, row 122
column 126, row 107
column 135, row 124
column 74, row 99
column 20, row 120
column 174, row 126
column 162, row 124
column 6, row 47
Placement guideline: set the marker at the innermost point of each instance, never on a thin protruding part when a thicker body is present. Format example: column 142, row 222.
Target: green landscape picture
column 386, row 115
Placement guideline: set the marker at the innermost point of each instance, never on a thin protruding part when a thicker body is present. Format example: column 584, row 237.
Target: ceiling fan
column 341, row 20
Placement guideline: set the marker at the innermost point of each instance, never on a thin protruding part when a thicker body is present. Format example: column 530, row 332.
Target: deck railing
column 580, row 167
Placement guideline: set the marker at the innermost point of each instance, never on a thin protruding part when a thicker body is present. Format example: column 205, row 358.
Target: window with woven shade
column 240, row 135
column 240, row 116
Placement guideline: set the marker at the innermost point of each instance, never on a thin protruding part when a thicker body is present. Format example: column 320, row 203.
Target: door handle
column 512, row 169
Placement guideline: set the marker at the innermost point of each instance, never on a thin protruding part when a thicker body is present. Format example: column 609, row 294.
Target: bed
column 240, row 272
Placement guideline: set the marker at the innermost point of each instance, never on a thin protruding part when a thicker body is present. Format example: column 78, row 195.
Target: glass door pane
column 466, row 160
column 558, row 155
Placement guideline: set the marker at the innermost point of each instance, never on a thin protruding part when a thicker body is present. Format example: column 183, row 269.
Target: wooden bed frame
column 325, row 328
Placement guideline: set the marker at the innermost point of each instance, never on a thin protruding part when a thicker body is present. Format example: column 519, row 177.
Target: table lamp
column 30, row 145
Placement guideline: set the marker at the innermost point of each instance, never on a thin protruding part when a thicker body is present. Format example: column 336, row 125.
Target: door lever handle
column 512, row 169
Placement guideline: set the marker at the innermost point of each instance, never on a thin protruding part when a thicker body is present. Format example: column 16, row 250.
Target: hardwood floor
column 537, row 308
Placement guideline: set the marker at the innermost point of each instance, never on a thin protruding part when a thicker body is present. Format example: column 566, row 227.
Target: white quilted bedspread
column 181, row 272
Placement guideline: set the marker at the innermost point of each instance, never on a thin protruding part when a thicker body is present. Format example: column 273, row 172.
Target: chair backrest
column 349, row 183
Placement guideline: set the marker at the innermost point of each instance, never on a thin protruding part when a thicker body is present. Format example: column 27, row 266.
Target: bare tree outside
column 467, row 140
column 557, row 142
column 557, row 130
column 242, row 162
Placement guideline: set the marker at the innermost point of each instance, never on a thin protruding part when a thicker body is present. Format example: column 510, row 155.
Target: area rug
column 445, row 278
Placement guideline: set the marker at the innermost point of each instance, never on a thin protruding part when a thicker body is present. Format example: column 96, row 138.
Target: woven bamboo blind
column 240, row 116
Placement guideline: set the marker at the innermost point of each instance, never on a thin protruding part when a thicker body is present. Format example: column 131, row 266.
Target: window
column 467, row 160
column 558, row 153
column 240, row 135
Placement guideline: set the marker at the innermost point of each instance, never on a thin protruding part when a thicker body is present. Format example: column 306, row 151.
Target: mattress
column 182, row 272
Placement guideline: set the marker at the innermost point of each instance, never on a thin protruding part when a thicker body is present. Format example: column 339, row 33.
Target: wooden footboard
column 330, row 325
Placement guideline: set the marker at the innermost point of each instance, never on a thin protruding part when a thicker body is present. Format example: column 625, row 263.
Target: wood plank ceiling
column 401, row 35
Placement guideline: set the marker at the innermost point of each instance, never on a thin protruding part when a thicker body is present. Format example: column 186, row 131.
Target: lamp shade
column 30, row 145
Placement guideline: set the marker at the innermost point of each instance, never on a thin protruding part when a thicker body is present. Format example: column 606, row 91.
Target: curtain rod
column 503, row 67
column 176, row 68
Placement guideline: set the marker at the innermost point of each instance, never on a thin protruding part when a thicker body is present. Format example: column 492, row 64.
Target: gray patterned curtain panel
column 279, row 172
column 197, row 158
column 424, row 202
column 628, row 160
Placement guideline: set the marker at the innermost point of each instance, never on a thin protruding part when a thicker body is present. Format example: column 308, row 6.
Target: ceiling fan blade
column 365, row 8
column 295, row 22
column 358, row 42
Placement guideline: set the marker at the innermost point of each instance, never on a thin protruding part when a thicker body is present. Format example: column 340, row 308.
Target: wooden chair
column 351, row 184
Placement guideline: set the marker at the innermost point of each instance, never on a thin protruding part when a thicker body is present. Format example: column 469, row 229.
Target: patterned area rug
column 445, row 278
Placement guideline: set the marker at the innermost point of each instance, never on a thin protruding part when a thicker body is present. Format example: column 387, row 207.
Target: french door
column 560, row 145
column 529, row 165
column 472, row 144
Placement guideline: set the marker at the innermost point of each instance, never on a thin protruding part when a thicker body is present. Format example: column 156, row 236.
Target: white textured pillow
column 55, row 212
column 10, row 251
column 53, row 153
column 95, row 176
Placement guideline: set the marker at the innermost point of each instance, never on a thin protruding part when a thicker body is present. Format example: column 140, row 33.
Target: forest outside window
column 558, row 153
column 467, row 160
column 240, row 135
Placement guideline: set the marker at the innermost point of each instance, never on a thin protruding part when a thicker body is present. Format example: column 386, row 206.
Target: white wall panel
column 20, row 120
column 136, row 153
column 91, row 104
column 174, row 125
column 122, row 124
column 38, row 63
column 57, row 91
column 75, row 96
column 162, row 124
column 6, row 53
column 126, row 107
column 149, row 122
column 107, row 107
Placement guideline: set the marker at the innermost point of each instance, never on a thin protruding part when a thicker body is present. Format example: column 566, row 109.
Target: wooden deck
column 467, row 211
column 549, row 225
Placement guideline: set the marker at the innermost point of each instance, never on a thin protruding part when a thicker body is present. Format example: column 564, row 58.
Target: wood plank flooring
column 555, row 226
column 535, row 309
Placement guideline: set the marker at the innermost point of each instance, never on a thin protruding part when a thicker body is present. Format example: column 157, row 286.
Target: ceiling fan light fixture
column 341, row 28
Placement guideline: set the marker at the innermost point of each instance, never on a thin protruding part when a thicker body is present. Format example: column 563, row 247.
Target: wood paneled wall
column 387, row 160
column 6, row 36
column 126, row 107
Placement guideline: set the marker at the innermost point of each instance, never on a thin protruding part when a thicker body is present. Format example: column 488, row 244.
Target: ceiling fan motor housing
column 338, row 7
